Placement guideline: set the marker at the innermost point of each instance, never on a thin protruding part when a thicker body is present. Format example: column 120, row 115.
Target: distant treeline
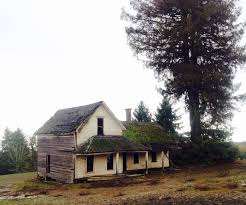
column 17, row 153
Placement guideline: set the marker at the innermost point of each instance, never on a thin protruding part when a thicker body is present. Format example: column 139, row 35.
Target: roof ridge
column 99, row 102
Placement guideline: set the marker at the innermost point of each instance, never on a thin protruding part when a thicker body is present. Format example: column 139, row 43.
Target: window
column 110, row 161
column 153, row 157
column 136, row 158
column 90, row 162
column 47, row 163
column 99, row 126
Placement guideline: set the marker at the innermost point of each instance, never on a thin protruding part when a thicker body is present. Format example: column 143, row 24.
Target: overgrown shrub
column 242, row 155
column 210, row 151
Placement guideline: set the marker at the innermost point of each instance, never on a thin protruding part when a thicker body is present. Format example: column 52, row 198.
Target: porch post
column 168, row 158
column 117, row 163
column 163, row 160
column 147, row 160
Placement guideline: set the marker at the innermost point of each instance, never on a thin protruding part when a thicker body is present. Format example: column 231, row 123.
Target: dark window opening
column 90, row 163
column 110, row 161
column 136, row 158
column 47, row 163
column 100, row 126
column 153, row 157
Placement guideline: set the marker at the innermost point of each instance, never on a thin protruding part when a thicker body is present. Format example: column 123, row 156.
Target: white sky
column 56, row 54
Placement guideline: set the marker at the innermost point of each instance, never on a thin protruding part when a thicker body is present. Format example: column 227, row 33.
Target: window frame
column 100, row 126
column 136, row 158
column 89, row 163
column 110, row 161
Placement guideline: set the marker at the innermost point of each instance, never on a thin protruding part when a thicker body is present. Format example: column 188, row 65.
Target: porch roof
column 102, row 144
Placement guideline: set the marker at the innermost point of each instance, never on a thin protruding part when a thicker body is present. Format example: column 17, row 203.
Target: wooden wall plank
column 60, row 149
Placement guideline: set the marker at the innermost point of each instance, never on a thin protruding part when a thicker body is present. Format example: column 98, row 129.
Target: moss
column 99, row 144
column 148, row 133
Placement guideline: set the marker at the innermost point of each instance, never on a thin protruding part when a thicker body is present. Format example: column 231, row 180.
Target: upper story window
column 100, row 126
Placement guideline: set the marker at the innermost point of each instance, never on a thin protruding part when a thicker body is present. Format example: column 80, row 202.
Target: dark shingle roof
column 66, row 121
column 102, row 144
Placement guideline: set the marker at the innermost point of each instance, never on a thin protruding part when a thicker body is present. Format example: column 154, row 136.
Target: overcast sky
column 57, row 53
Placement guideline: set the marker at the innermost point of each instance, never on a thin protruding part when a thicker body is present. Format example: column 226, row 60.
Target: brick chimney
column 128, row 115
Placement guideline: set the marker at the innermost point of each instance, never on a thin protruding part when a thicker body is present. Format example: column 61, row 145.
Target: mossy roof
column 148, row 133
column 103, row 144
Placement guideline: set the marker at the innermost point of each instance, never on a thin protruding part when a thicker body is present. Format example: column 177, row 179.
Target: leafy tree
column 166, row 116
column 15, row 150
column 194, row 47
column 141, row 113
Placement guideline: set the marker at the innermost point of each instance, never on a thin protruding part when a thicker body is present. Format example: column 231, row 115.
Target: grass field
column 16, row 178
column 200, row 185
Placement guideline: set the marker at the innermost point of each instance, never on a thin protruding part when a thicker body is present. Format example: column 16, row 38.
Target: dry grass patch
column 119, row 194
column 232, row 185
column 181, row 189
column 84, row 193
column 189, row 179
column 224, row 173
column 202, row 187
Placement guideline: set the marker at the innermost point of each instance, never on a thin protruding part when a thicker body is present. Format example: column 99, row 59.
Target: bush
column 242, row 155
column 210, row 151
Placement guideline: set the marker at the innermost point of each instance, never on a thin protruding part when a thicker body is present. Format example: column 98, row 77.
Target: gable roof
column 103, row 144
column 66, row 121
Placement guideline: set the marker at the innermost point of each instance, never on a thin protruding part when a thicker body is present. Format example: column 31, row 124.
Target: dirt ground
column 199, row 185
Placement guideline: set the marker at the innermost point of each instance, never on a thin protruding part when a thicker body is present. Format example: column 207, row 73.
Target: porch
column 103, row 164
column 115, row 155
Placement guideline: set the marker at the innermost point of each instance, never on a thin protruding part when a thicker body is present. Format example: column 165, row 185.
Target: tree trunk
column 195, row 118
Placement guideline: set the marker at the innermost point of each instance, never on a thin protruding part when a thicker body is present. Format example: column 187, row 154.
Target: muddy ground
column 199, row 185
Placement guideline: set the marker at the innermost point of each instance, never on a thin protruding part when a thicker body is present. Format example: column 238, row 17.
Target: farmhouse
column 87, row 141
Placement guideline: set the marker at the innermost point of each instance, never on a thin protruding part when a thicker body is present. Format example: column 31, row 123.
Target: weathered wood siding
column 60, row 149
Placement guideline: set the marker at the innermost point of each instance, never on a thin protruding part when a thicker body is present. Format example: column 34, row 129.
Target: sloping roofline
column 71, row 120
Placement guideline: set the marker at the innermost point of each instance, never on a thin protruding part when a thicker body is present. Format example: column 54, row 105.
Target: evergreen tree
column 15, row 151
column 141, row 113
column 33, row 149
column 166, row 116
column 194, row 47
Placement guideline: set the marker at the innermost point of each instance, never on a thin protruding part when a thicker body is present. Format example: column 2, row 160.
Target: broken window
column 136, row 158
column 153, row 157
column 110, row 161
column 100, row 126
column 90, row 163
